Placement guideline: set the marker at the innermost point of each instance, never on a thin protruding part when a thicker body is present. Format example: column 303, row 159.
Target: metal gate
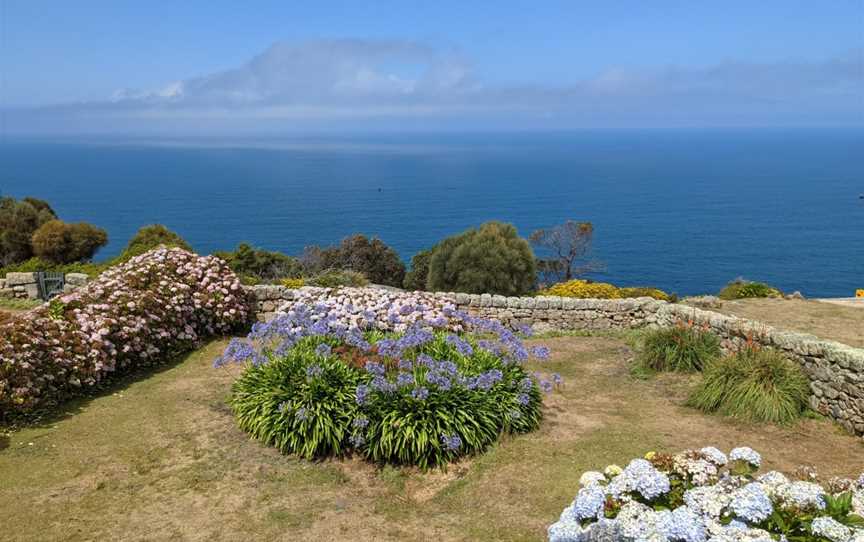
column 50, row 284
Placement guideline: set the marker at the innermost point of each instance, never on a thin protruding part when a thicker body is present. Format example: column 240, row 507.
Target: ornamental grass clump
column 425, row 396
column 755, row 384
column 154, row 306
column 681, row 348
column 706, row 496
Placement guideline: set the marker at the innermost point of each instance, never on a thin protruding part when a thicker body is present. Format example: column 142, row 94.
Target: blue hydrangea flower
column 831, row 529
column 589, row 502
column 750, row 503
column 687, row 526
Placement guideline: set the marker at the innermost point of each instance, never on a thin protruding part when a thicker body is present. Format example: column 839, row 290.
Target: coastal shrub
column 144, row 311
column 62, row 243
column 705, row 495
column 424, row 396
column 19, row 220
column 743, row 289
column 259, row 264
column 336, row 278
column 150, row 237
column 379, row 263
column 293, row 284
column 755, row 384
column 490, row 259
column 585, row 289
column 682, row 348
column 415, row 279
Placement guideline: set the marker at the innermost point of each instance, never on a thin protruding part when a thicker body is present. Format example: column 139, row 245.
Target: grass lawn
column 159, row 458
column 840, row 323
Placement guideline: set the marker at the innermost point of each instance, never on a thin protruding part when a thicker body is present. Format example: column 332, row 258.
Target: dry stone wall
column 836, row 371
column 26, row 285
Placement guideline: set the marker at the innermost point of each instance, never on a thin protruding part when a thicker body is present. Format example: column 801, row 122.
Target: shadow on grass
column 49, row 415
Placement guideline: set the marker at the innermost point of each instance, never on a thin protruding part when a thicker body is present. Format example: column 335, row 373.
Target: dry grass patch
column 159, row 458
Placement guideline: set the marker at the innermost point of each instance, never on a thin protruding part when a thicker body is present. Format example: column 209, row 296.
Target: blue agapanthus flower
column 362, row 394
column 314, row 371
column 420, row 393
column 451, row 442
column 323, row 350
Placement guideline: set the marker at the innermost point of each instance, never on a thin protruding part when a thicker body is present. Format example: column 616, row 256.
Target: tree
column 416, row 278
column 261, row 264
column 378, row 262
column 19, row 220
column 570, row 247
column 151, row 236
column 61, row 243
column 491, row 259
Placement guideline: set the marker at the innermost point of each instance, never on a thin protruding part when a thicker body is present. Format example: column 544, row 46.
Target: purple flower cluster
column 451, row 443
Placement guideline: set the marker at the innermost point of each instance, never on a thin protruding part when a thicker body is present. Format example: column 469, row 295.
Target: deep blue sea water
column 683, row 210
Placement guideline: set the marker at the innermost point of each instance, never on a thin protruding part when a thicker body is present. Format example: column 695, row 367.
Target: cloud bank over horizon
column 390, row 84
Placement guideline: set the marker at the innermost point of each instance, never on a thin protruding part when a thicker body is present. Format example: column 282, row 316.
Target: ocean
column 683, row 210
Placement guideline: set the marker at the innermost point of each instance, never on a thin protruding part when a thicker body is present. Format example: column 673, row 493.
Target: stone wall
column 26, row 285
column 836, row 371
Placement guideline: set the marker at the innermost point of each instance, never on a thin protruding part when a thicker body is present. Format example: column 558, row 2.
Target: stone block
column 76, row 279
column 7, row 293
column 20, row 279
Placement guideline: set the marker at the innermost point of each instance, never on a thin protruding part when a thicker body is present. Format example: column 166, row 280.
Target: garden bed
column 161, row 458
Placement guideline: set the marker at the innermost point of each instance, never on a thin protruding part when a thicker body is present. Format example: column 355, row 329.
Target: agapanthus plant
column 423, row 397
column 706, row 496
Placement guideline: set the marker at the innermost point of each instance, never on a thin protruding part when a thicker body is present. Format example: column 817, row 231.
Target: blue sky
column 175, row 66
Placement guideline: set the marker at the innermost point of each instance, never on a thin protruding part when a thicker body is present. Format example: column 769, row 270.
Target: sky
column 211, row 66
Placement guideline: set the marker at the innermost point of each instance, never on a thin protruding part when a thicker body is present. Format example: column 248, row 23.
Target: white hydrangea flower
column 708, row 501
column 612, row 470
column 831, row 529
column 772, row 480
column 715, row 456
column 700, row 471
column 746, row 454
column 804, row 495
column 858, row 502
column 591, row 477
column 566, row 531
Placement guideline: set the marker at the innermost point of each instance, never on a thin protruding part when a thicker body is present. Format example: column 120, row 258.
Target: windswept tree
column 568, row 247
column 19, row 220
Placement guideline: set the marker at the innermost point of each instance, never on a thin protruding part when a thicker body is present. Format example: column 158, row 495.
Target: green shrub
column 755, row 384
column 743, row 289
column 415, row 279
column 682, row 348
column 37, row 264
column 334, row 278
column 260, row 264
column 150, row 237
column 491, row 259
column 61, row 243
column 378, row 262
column 19, row 220
column 278, row 404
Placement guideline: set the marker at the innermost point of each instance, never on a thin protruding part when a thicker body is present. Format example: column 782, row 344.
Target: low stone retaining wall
column 836, row 371
column 26, row 285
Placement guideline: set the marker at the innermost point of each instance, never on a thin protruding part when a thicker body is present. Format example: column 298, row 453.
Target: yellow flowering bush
column 294, row 284
column 601, row 290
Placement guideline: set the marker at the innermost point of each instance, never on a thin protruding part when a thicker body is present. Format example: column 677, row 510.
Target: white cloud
column 353, row 80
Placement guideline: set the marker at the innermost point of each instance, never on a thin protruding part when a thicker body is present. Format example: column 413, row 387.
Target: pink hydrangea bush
column 144, row 311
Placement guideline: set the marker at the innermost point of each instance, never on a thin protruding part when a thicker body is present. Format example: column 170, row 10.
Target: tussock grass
column 682, row 348
column 758, row 385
